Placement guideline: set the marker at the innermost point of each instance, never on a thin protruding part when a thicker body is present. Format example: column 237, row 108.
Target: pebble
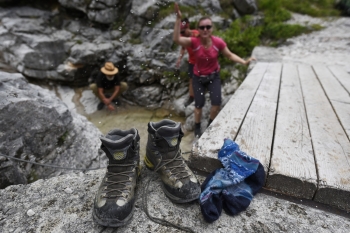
column 30, row 212
column 68, row 190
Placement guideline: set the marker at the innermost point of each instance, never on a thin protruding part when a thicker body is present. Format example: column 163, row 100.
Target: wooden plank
column 330, row 143
column 338, row 96
column 292, row 169
column 256, row 134
column 227, row 123
column 342, row 76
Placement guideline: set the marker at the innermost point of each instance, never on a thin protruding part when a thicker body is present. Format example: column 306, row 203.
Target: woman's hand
column 249, row 60
column 177, row 11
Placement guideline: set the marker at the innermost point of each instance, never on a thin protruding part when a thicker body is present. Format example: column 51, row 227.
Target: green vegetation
column 135, row 40
column 175, row 76
column 227, row 8
column 242, row 36
column 315, row 8
column 62, row 139
column 247, row 32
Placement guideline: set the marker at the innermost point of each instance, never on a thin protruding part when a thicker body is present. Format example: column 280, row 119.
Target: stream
column 125, row 116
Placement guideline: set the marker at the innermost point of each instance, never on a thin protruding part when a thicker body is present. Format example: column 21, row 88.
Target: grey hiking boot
column 163, row 155
column 115, row 198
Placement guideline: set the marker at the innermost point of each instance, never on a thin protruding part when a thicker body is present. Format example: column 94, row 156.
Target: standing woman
column 206, row 73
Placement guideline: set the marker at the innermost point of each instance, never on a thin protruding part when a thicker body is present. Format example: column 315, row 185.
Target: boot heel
column 148, row 163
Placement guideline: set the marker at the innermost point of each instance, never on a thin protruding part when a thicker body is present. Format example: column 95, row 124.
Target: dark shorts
column 190, row 70
column 200, row 85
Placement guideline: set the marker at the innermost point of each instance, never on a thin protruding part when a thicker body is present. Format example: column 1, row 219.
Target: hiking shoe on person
column 189, row 101
column 100, row 106
column 115, row 198
column 197, row 132
column 163, row 155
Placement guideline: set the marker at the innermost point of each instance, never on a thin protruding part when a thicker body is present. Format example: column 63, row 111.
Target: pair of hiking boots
column 114, row 201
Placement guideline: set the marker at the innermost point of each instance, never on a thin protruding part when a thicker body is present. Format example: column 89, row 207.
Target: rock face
column 53, row 46
column 64, row 204
column 37, row 126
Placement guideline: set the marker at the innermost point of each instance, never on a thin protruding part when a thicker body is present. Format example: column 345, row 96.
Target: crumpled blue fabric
column 232, row 187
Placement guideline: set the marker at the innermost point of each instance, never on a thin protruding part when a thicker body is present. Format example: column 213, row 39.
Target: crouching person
column 108, row 86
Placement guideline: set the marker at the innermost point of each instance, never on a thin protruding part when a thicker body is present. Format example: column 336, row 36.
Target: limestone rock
column 37, row 126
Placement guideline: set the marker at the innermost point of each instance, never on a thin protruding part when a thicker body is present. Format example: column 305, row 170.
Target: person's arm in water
column 180, row 40
column 104, row 99
column 115, row 93
column 233, row 57
column 108, row 101
column 182, row 53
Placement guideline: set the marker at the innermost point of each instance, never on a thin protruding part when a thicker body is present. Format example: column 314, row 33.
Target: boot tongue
column 117, row 147
column 170, row 134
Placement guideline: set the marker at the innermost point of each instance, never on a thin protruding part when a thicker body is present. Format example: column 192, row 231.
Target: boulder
column 37, row 126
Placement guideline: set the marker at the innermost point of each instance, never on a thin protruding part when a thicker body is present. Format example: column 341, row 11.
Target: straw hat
column 109, row 69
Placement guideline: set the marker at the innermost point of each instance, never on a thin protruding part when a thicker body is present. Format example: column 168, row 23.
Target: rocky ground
column 64, row 203
column 330, row 45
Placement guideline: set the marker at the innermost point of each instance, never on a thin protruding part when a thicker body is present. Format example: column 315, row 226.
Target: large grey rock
column 35, row 125
column 148, row 96
column 64, row 204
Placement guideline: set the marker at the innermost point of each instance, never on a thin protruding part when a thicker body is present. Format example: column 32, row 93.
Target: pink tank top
column 206, row 59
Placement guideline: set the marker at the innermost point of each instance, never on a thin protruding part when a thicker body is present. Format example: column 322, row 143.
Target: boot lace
column 175, row 165
column 116, row 187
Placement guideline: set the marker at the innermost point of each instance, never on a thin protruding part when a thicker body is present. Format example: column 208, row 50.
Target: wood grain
column 256, row 134
column 292, row 169
column 228, row 121
column 330, row 143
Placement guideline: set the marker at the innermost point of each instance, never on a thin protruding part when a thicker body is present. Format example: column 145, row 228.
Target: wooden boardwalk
column 295, row 119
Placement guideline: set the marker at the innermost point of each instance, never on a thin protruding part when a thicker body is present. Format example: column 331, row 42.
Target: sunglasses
column 205, row 27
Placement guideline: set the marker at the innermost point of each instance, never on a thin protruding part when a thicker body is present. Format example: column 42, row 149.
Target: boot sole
column 177, row 199
column 173, row 198
column 113, row 222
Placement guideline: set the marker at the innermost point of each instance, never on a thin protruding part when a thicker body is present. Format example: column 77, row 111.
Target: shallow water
column 127, row 116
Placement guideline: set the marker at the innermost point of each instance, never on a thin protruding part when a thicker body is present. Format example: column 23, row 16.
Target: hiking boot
column 100, row 106
column 163, row 155
column 189, row 101
column 115, row 198
column 197, row 131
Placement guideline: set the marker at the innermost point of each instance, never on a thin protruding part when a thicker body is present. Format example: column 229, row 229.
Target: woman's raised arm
column 183, row 41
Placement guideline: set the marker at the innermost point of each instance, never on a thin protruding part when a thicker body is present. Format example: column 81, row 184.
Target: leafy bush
column 240, row 38
column 279, row 30
column 315, row 8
